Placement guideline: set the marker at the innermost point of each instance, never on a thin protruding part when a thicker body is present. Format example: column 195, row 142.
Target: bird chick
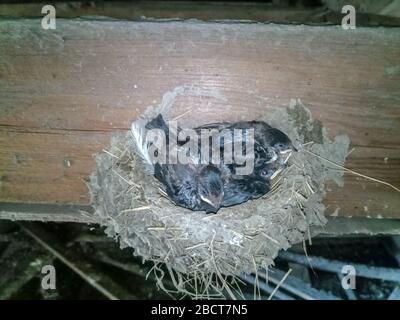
column 199, row 188
column 193, row 186
column 208, row 187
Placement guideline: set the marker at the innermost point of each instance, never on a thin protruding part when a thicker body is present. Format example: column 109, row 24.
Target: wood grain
column 65, row 92
column 276, row 12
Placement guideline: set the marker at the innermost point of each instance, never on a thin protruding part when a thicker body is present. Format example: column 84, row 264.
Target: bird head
column 270, row 170
column 210, row 187
column 281, row 142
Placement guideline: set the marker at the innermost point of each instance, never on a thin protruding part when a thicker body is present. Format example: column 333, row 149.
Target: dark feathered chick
column 197, row 187
column 239, row 189
column 270, row 144
column 203, row 187
column 271, row 151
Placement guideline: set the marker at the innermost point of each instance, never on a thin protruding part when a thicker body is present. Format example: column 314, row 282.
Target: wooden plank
column 47, row 213
column 65, row 92
column 171, row 10
column 336, row 226
column 277, row 12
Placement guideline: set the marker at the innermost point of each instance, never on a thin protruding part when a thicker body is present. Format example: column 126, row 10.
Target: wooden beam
column 47, row 213
column 65, row 92
column 205, row 11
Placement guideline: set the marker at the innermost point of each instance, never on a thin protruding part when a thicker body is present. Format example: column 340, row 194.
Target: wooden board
column 274, row 11
column 65, row 92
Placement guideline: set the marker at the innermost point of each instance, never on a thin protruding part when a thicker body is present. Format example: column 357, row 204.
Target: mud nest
column 203, row 254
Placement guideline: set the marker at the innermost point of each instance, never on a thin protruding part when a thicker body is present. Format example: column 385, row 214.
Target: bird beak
column 274, row 157
column 290, row 149
column 286, row 151
column 213, row 201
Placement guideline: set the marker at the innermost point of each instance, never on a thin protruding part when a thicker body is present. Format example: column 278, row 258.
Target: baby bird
column 239, row 189
column 208, row 187
column 272, row 149
column 198, row 187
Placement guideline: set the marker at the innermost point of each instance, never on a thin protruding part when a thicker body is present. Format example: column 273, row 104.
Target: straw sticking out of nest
column 202, row 253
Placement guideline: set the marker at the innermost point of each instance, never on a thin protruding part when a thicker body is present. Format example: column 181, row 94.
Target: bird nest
column 204, row 253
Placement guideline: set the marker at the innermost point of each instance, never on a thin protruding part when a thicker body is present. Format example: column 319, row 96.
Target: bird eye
column 265, row 172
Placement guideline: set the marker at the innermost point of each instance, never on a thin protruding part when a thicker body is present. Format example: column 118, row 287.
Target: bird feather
column 138, row 130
